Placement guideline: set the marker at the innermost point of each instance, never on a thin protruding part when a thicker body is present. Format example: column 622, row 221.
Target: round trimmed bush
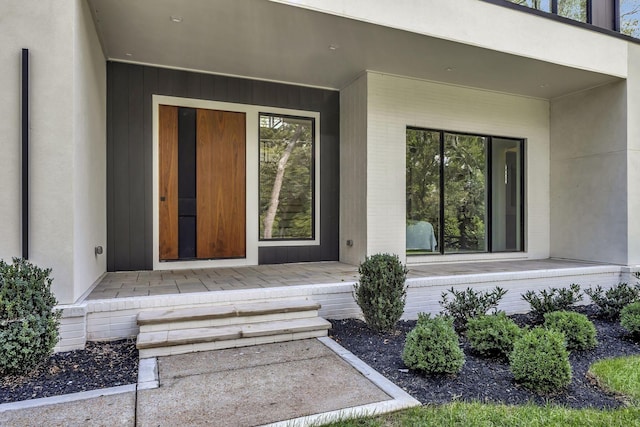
column 579, row 331
column 540, row 361
column 381, row 291
column 630, row 318
column 493, row 335
column 28, row 323
column 432, row 347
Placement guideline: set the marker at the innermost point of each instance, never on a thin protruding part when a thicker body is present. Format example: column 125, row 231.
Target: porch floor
column 171, row 282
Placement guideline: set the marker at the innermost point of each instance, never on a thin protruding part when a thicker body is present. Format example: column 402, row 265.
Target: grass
column 620, row 375
column 477, row 414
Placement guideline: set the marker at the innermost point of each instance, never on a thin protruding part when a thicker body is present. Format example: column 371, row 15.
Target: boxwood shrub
column 381, row 291
column 28, row 323
column 493, row 335
column 432, row 347
column 540, row 361
column 579, row 331
column 630, row 319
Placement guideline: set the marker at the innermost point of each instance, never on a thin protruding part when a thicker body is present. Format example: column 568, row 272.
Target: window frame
column 489, row 192
column 315, row 179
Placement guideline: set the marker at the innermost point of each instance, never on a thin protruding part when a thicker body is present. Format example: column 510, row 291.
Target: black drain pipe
column 25, row 153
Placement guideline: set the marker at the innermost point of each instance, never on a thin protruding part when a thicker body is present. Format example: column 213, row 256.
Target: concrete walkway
column 289, row 384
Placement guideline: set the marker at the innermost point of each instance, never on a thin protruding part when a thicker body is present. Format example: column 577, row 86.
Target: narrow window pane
column 286, row 177
column 573, row 9
column 630, row 17
column 544, row 5
column 506, row 195
column 423, row 191
column 465, row 195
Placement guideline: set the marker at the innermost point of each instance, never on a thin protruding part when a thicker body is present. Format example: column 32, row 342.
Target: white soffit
column 266, row 40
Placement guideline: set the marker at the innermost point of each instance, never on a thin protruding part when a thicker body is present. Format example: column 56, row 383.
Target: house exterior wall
column 633, row 154
column 483, row 24
column 393, row 103
column 89, row 142
column 129, row 154
column 589, row 175
column 353, row 171
column 58, row 35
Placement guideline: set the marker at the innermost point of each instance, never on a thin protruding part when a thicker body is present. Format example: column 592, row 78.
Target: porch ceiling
column 266, row 40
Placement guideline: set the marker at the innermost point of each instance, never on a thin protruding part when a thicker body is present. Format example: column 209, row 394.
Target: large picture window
column 287, row 198
column 464, row 193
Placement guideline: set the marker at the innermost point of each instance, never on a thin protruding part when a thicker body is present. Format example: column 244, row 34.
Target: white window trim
column 252, row 113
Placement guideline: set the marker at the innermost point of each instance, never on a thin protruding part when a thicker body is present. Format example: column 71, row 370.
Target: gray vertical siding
column 129, row 142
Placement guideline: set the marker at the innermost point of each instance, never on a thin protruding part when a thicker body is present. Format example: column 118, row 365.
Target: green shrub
column 468, row 304
column 432, row 347
column 493, row 335
column 540, row 361
column 555, row 299
column 630, row 318
column 613, row 300
column 579, row 332
column 28, row 323
column 381, row 291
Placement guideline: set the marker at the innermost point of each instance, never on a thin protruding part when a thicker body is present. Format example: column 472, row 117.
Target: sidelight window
column 287, row 170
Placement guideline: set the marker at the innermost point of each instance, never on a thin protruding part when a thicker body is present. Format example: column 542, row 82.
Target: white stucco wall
column 43, row 27
column 589, row 175
column 353, row 171
column 63, row 113
column 89, row 140
column 394, row 103
column 633, row 155
column 484, row 24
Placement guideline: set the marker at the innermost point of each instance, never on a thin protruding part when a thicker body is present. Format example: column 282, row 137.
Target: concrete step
column 164, row 343
column 225, row 314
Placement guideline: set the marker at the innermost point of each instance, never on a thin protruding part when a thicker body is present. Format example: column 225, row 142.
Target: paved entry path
column 246, row 386
column 253, row 386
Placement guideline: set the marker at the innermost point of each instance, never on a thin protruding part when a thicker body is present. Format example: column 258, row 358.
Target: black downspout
column 25, row 153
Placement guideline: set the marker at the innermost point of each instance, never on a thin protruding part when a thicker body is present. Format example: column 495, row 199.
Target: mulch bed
column 99, row 365
column 485, row 380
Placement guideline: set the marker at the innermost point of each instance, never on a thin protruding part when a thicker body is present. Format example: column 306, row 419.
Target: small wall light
column 98, row 250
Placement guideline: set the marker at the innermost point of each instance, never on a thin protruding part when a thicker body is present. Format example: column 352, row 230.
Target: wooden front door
column 202, row 184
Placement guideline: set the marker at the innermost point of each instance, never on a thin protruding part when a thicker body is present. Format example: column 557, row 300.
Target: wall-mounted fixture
column 98, row 250
column 349, row 242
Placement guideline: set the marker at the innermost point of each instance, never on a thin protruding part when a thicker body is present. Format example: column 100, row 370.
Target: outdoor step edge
column 284, row 327
column 224, row 311
column 189, row 336
column 227, row 321
column 231, row 333
column 221, row 345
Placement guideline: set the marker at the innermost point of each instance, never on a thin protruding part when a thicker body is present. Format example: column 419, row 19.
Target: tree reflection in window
column 286, row 177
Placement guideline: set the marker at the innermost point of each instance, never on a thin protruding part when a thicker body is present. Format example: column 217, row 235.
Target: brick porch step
column 167, row 332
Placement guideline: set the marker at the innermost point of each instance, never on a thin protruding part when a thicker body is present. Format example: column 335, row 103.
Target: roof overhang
column 265, row 40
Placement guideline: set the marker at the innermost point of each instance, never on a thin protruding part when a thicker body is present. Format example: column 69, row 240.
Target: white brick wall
column 393, row 103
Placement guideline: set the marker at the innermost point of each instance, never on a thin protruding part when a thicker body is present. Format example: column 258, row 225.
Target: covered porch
column 125, row 284
column 110, row 309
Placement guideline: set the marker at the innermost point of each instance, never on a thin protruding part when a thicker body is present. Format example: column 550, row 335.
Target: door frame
column 252, row 113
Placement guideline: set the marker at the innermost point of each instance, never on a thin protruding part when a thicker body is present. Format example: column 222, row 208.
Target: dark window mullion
column 442, row 219
column 489, row 199
column 554, row 7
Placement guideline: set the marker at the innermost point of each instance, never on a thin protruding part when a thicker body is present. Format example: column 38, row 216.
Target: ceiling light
column 334, row 47
column 128, row 54
column 176, row 19
column 544, row 85
column 449, row 68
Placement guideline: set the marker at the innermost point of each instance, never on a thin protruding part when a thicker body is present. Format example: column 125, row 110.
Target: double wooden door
column 202, row 184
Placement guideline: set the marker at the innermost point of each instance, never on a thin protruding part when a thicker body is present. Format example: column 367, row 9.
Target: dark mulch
column 99, row 365
column 481, row 379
